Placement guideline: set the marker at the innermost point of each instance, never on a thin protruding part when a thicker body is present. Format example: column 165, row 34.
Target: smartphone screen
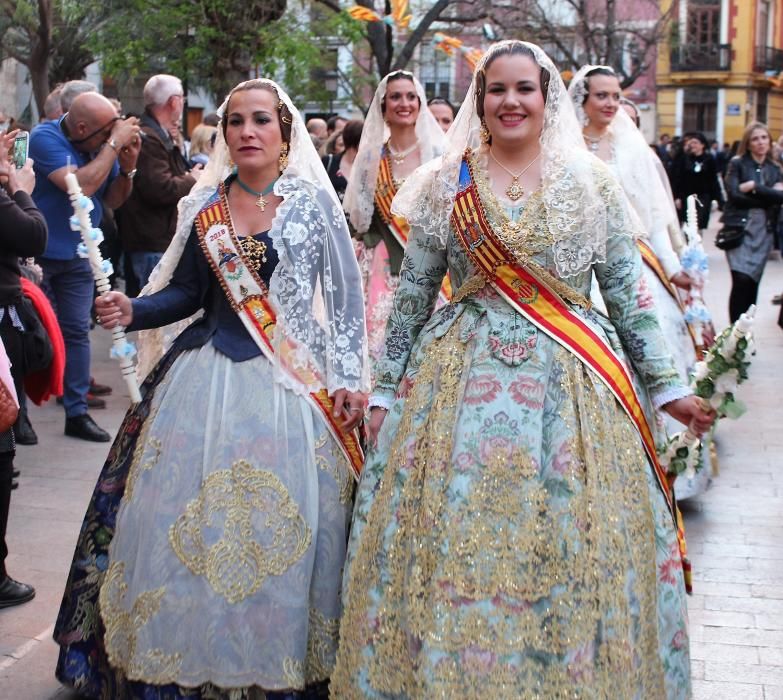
column 20, row 149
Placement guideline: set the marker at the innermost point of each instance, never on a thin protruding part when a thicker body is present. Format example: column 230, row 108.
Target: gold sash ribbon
column 249, row 297
column 529, row 295
column 384, row 194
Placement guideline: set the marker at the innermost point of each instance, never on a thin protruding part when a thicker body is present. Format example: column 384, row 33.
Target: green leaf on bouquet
column 734, row 409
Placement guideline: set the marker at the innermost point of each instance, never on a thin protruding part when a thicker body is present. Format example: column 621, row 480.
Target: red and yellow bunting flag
column 449, row 45
column 364, row 14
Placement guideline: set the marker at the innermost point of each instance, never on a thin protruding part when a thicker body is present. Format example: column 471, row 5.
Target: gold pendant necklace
column 514, row 191
column 261, row 201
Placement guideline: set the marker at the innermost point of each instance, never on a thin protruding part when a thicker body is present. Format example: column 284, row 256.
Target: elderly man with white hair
column 162, row 177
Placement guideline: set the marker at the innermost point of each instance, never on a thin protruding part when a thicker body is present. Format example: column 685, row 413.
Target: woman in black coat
column 22, row 234
column 754, row 185
column 695, row 172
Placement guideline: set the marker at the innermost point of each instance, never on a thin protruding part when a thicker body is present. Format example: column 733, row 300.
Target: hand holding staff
column 122, row 350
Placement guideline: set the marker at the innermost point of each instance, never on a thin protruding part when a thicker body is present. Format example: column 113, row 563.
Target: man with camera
column 102, row 149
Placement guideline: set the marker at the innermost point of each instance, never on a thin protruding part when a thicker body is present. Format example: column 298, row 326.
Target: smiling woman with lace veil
column 613, row 137
column 512, row 514
column 399, row 134
column 210, row 558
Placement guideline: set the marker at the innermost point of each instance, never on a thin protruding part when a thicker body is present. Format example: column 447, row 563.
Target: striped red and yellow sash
column 384, row 194
column 536, row 301
column 248, row 296
column 651, row 260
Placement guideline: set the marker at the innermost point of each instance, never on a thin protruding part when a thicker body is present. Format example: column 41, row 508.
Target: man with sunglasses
column 102, row 150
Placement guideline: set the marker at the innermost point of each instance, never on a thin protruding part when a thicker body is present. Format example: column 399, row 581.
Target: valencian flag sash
column 384, row 194
column 651, row 260
column 532, row 297
column 249, row 297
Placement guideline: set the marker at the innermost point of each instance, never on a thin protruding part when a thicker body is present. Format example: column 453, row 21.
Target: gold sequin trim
column 122, row 627
column 337, row 466
column 215, row 537
column 143, row 444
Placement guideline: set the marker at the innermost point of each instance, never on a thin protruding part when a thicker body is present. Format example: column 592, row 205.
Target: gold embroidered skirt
column 230, row 540
column 504, row 541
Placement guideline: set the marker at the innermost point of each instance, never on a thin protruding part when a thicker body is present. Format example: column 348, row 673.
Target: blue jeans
column 70, row 287
column 143, row 264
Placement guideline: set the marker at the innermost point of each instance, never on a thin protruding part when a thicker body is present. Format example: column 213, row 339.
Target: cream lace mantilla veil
column 575, row 210
column 638, row 168
column 316, row 286
column 359, row 200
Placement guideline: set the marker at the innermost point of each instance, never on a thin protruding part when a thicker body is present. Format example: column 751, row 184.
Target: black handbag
column 730, row 237
column 36, row 345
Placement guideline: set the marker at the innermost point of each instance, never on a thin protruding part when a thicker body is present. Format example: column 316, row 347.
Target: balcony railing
column 767, row 59
column 701, row 57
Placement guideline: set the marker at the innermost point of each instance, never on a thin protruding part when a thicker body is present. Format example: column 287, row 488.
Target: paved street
column 735, row 530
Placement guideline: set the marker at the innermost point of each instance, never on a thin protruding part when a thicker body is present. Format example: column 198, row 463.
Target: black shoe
column 92, row 401
column 99, row 389
column 85, row 428
column 23, row 431
column 14, row 593
column 15, row 474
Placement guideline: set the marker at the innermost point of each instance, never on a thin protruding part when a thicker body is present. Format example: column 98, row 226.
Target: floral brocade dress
column 509, row 539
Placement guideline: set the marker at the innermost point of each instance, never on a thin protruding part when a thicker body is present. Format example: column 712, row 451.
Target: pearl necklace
column 399, row 156
column 594, row 143
column 514, row 191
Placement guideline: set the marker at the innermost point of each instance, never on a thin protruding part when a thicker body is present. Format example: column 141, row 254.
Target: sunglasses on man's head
column 96, row 132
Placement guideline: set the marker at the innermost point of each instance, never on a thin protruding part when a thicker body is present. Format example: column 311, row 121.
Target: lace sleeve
column 631, row 310
column 421, row 275
column 318, row 292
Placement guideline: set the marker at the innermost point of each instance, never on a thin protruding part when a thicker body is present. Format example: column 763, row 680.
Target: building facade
column 721, row 68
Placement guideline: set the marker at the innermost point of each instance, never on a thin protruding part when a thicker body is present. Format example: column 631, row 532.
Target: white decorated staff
column 122, row 350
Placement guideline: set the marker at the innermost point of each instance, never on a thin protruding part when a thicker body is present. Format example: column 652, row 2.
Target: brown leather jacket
column 149, row 216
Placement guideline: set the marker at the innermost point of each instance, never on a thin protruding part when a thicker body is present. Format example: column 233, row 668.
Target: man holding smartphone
column 102, row 150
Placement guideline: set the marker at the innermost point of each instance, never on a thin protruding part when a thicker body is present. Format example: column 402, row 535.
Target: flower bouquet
column 715, row 380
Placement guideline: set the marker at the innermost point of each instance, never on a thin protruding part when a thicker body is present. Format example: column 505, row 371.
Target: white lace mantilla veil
column 575, row 210
column 320, row 311
column 359, row 199
column 638, row 168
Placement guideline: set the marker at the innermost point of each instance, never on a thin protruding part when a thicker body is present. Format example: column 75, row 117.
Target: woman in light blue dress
column 509, row 527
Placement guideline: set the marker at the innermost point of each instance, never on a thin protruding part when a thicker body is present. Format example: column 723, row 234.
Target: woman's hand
column 747, row 186
column 693, row 412
column 23, row 179
column 377, row 416
column 682, row 280
column 351, row 405
column 708, row 334
column 113, row 309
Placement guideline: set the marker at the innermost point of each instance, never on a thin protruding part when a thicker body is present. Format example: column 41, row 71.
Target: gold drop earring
column 283, row 160
column 484, row 134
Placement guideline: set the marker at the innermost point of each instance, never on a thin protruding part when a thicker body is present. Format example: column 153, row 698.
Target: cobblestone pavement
column 735, row 530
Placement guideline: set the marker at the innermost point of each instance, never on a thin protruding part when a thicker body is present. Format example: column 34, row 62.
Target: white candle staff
column 122, row 350
column 695, row 265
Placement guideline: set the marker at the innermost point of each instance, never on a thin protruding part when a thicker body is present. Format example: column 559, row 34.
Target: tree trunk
column 39, row 77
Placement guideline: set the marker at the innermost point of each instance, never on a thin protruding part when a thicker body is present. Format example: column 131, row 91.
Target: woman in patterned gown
column 509, row 521
column 399, row 134
column 209, row 561
column 614, row 138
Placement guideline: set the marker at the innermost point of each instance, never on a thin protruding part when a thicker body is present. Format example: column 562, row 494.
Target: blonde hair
column 744, row 146
column 201, row 140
